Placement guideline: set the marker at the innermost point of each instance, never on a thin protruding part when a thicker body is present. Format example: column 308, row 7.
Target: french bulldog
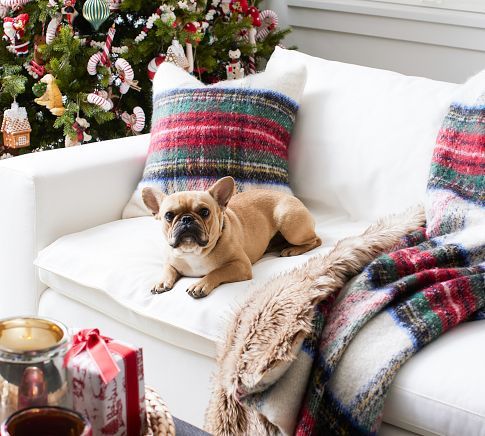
column 217, row 235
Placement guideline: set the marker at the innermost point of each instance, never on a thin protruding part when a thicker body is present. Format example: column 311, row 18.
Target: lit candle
column 18, row 335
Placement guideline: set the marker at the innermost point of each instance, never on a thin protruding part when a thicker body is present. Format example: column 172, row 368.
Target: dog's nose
column 187, row 219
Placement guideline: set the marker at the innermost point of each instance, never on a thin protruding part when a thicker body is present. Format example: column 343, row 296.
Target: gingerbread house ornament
column 16, row 127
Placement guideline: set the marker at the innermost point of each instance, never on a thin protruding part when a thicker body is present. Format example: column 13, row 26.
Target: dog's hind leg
column 297, row 227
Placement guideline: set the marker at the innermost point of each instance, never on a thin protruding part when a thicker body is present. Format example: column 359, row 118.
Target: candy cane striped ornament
column 52, row 27
column 136, row 121
column 126, row 74
column 93, row 63
column 140, row 119
column 34, row 69
column 252, row 41
column 14, row 4
column 269, row 21
column 100, row 99
column 107, row 47
column 154, row 64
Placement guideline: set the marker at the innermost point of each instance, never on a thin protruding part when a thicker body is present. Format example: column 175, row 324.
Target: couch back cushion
column 364, row 138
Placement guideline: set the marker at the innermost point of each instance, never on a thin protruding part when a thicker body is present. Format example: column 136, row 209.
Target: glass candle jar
column 46, row 421
column 32, row 351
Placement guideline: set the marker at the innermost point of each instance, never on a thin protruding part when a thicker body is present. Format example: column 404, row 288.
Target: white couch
column 361, row 148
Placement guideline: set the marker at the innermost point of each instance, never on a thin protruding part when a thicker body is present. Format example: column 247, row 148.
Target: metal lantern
column 96, row 12
column 31, row 364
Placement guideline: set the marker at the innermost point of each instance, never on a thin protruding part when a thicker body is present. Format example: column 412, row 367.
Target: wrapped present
column 105, row 379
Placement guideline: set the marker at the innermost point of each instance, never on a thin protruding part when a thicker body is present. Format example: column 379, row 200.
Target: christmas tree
column 82, row 69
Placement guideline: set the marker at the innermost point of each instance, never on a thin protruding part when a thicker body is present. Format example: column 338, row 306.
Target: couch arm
column 47, row 195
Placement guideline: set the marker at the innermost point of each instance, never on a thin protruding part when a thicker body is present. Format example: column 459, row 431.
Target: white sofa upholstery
column 361, row 148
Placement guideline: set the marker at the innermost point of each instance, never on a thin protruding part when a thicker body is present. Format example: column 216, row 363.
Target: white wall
column 440, row 44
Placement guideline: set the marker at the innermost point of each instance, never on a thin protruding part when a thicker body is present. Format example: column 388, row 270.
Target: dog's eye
column 169, row 216
column 204, row 212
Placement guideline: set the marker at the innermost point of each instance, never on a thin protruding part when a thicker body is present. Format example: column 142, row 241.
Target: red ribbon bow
column 95, row 344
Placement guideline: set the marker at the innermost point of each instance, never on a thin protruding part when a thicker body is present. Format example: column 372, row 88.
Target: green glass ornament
column 96, row 12
column 39, row 88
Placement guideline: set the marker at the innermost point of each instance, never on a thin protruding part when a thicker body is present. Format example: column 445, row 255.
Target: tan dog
column 211, row 237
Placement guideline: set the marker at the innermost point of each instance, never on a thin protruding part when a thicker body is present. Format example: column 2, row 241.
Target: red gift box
column 106, row 384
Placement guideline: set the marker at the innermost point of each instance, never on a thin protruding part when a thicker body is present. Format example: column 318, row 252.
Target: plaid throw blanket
column 355, row 342
column 405, row 299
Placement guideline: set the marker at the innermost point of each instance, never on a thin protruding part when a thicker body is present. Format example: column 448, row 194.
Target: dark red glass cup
column 46, row 421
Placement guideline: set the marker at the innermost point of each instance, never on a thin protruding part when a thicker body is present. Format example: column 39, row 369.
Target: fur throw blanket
column 308, row 355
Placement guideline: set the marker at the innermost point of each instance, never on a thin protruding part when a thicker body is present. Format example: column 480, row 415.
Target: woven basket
column 160, row 422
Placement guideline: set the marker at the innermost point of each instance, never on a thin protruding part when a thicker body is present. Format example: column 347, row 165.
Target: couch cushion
column 440, row 390
column 363, row 139
column 112, row 267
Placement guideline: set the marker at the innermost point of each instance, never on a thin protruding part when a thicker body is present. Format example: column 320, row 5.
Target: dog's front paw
column 160, row 288
column 200, row 289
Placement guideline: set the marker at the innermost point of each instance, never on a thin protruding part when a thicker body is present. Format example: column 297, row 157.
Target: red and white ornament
column 14, row 30
column 101, row 99
column 34, row 69
column 103, row 57
column 14, row 4
column 136, row 121
column 93, row 63
column 80, row 126
column 154, row 64
column 191, row 27
column 255, row 15
column 251, row 59
column 238, row 6
column 126, row 75
column 269, row 22
column 52, row 28
column 107, row 47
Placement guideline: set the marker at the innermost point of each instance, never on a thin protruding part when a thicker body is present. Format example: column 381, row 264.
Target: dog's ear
column 222, row 190
column 152, row 198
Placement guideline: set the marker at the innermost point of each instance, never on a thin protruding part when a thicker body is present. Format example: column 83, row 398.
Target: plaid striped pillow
column 200, row 134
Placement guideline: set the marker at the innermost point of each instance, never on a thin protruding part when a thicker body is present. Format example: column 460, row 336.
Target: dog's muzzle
column 186, row 230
